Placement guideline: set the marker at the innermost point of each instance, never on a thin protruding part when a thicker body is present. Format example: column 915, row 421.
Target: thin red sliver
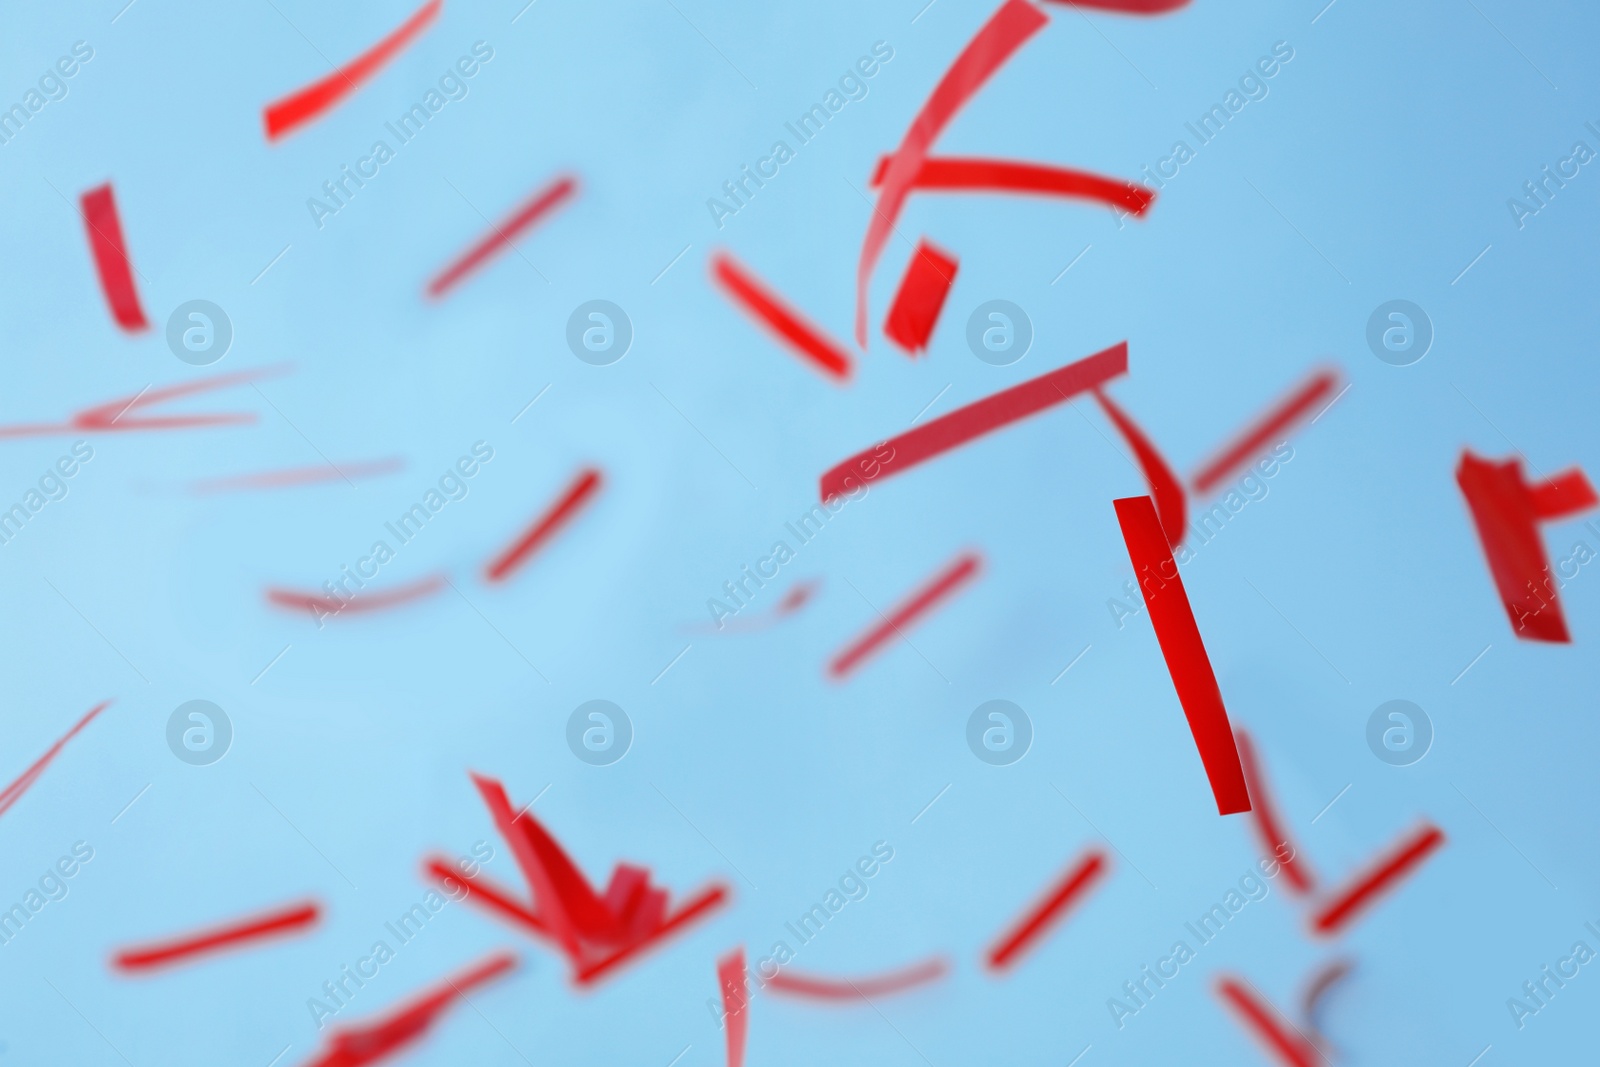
column 1280, row 417
column 502, row 234
column 1268, row 829
column 296, row 476
column 110, row 415
column 735, row 1001
column 1035, row 922
column 556, row 516
column 955, row 174
column 1275, row 1034
column 946, row 582
column 111, row 261
column 746, row 290
column 921, row 297
column 1164, row 485
column 284, row 920
column 24, row 781
column 358, row 604
column 494, row 897
column 815, row 988
column 1341, row 909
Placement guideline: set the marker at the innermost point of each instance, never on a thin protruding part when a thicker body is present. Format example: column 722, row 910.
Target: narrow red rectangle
column 1269, row 830
column 745, row 289
column 1033, row 924
column 923, row 290
column 877, row 985
column 949, row 174
column 1562, row 495
column 322, row 607
column 946, row 582
column 284, row 920
column 487, row 894
column 24, row 781
column 735, row 1001
column 111, row 261
column 559, row 514
column 1343, row 906
column 1275, row 1033
column 1280, row 417
column 1183, row 650
column 501, row 234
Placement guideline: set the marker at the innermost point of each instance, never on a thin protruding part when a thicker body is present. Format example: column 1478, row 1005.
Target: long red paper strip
column 1338, row 912
column 746, row 290
column 1183, row 650
column 1005, row 32
column 916, row 306
column 953, row 174
column 108, row 417
column 955, row 575
column 1164, row 485
column 1268, row 828
column 976, row 419
column 358, row 603
column 285, row 920
column 494, row 897
column 301, row 107
column 296, row 476
column 24, row 781
column 111, row 257
column 1034, row 923
column 735, row 1001
column 813, row 988
column 1269, row 1028
column 1243, row 449
column 503, row 233
column 560, row 513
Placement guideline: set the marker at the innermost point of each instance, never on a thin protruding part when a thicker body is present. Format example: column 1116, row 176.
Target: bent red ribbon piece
column 502, row 234
column 1035, row 922
column 1006, row 31
column 1261, row 433
column 974, row 420
column 746, row 290
column 107, row 418
column 1183, row 650
column 543, row 528
column 24, row 781
column 1268, row 829
column 321, row 606
column 916, row 306
column 1507, row 511
column 1338, row 912
column 735, row 1001
column 1164, row 485
column 284, row 920
column 1311, row 1002
column 799, row 985
column 1127, row 7
column 920, row 603
column 301, row 107
column 956, row 174
column 1287, row 1045
column 111, row 257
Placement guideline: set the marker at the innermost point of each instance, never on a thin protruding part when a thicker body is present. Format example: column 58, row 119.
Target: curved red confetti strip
column 1006, row 31
column 1034, row 923
column 1325, row 980
column 301, row 107
column 320, row 605
column 149, row 957
column 1338, row 912
column 731, row 977
column 976, row 419
column 296, row 476
column 1127, row 7
column 111, row 257
column 24, row 781
column 878, row 985
column 763, row 305
column 1164, row 485
column 1268, row 829
column 1183, row 650
column 956, row 174
column 946, row 582
column 916, row 306
column 503, row 233
column 560, row 513
column 1288, row 1046
column 1247, row 445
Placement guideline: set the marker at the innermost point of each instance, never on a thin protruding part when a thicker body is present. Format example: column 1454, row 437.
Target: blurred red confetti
column 1273, row 838
column 1244, row 448
column 13, row 792
column 878, row 985
column 1033, row 925
column 1316, row 990
column 761, row 304
column 1339, row 910
column 111, row 257
column 945, row 583
column 1164, row 485
column 321, row 606
column 284, row 920
column 107, row 418
column 916, row 306
column 560, row 513
column 796, row 598
column 951, row 174
column 731, row 977
column 1288, row 1046
column 297, row 476
column 503, row 233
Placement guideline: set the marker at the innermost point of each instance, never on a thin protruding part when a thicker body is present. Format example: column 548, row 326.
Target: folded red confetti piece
column 301, row 107
column 1243, row 449
column 1273, row 838
column 284, row 920
column 111, row 257
column 1164, row 485
column 1506, row 511
column 1316, row 990
column 956, row 574
column 24, row 781
column 109, row 417
column 731, row 977
column 760, row 303
column 296, row 476
column 951, row 174
column 1275, row 1033
column 321, row 606
column 974, row 420
column 1006, row 31
column 1035, row 922
column 878, row 985
column 1183, row 650
column 1344, row 905
column 503, row 233
column 560, row 513
column 916, row 306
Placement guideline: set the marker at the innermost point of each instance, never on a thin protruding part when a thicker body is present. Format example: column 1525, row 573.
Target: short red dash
column 1340, row 909
column 296, row 476
column 358, row 603
column 735, row 1001
column 1562, row 495
column 760, row 303
column 303, row 106
column 1183, row 650
column 1243, row 449
column 1276, row 1034
column 945, row 583
column 922, row 293
column 148, row 957
column 957, row 175
column 877, row 985
column 559, row 514
column 974, row 420
column 1268, row 829
column 501, row 234
column 13, row 792
column 111, row 261
column 1035, row 922
column 1164, row 485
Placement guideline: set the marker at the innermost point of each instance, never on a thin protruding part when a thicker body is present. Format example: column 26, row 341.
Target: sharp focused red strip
column 24, row 781
column 731, row 977
column 1164, row 485
column 916, row 306
column 502, row 234
column 147, row 957
column 1183, row 650
column 1337, row 913
column 1245, row 447
column 582, row 487
column 763, row 305
column 1275, row 1034
column 360, row 603
column 976, row 419
column 950, row 174
column 1005, row 32
column 697, row 906
column 799, row 985
column 111, row 257
column 301, row 107
column 296, row 476
column 1037, row 921
column 957, row 574
column 1562, row 495
column 1268, row 828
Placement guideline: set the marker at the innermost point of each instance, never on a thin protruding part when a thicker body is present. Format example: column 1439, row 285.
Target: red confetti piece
column 1183, row 650
column 950, row 174
column 731, row 977
column 1506, row 511
column 796, row 598
column 13, row 792
column 1348, row 902
column 976, row 419
column 296, row 476
column 1270, row 426
column 1006, row 31
column 285, row 920
column 760, row 303
column 487, row 893
column 945, row 583
column 879, row 985
column 1275, row 1033
column 503, row 233
column 108, row 418
column 1164, row 485
column 916, row 306
column 358, row 603
column 1273, row 838
column 301, row 107
column 1325, row 980
column 1037, row 921
column 111, row 257
column 559, row 514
